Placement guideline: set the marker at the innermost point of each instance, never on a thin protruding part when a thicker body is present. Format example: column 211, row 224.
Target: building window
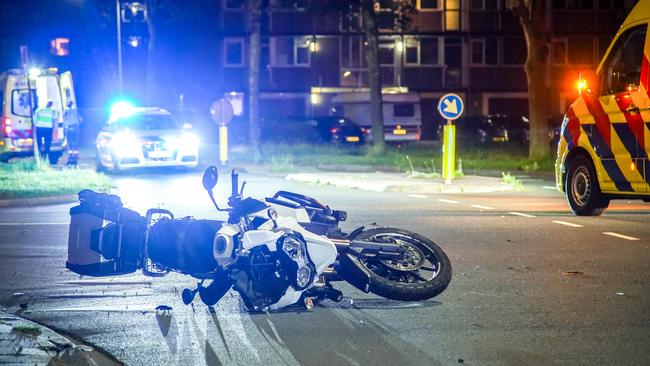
column 60, row 46
column 573, row 4
column 484, row 4
column 559, row 52
column 452, row 15
column 233, row 52
column 428, row 4
column 291, row 51
column 516, row 52
column 232, row 4
column 603, row 44
column 485, row 51
column 581, row 50
column 386, row 54
column 411, row 51
column 430, row 51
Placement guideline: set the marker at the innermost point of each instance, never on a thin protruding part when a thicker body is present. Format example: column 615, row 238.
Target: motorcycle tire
column 403, row 280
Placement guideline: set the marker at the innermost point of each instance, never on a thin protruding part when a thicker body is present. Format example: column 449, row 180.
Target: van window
column 403, row 110
column 20, row 102
column 622, row 69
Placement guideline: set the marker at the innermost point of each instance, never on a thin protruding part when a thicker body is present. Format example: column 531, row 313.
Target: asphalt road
column 532, row 284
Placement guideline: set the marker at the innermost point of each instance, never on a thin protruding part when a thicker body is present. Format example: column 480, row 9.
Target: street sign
column 450, row 106
column 221, row 112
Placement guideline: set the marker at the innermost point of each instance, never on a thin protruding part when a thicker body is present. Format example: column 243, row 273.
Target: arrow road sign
column 450, row 106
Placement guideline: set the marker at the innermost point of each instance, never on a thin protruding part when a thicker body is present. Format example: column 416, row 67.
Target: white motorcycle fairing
column 321, row 250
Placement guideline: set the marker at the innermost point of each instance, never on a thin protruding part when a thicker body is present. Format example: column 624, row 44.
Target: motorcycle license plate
column 399, row 132
column 352, row 139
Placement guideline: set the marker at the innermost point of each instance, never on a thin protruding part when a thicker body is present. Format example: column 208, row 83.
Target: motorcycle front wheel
column 423, row 272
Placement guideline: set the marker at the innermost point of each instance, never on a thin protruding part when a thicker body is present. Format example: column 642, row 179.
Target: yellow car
column 605, row 138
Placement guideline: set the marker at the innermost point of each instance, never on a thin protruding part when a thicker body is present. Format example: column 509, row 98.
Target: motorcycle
column 275, row 252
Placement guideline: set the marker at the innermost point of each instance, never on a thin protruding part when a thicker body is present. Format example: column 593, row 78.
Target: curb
column 26, row 342
column 38, row 201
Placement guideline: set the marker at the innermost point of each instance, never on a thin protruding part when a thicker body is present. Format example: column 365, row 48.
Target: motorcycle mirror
column 210, row 178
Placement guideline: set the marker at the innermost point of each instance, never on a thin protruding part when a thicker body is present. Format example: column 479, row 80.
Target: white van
column 16, row 124
column 402, row 113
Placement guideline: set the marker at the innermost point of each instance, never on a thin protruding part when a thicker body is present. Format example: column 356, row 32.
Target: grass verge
column 23, row 179
column 412, row 158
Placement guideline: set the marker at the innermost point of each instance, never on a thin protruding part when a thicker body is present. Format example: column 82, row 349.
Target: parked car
column 327, row 129
column 518, row 128
column 478, row 130
column 145, row 137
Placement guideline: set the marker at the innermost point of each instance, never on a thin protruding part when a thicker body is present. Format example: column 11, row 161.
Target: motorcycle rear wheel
column 423, row 273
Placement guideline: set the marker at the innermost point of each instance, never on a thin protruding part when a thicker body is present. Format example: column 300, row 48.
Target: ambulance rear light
column 6, row 126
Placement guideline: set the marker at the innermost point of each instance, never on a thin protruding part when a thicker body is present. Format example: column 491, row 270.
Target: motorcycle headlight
column 298, row 261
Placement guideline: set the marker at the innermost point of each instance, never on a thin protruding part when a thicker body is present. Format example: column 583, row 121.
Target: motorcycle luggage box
column 103, row 240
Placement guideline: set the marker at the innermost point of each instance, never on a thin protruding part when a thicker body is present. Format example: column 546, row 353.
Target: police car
column 605, row 138
column 144, row 137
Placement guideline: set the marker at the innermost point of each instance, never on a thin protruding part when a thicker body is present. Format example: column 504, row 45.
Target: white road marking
column 481, row 207
column 570, row 224
column 550, row 187
column 417, row 196
column 446, row 201
column 621, row 236
column 521, row 214
column 32, row 223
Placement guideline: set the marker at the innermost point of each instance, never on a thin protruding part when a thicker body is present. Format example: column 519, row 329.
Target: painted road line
column 481, row 207
column 621, row 236
column 417, row 196
column 446, row 201
column 521, row 214
column 550, row 187
column 570, row 224
column 32, row 223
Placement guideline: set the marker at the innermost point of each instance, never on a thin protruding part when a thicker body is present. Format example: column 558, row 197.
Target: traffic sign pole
column 450, row 108
column 223, row 144
column 221, row 112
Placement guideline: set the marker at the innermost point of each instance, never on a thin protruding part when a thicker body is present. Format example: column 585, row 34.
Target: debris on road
column 572, row 273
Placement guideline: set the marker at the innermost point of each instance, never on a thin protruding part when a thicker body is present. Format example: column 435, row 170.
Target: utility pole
column 118, row 19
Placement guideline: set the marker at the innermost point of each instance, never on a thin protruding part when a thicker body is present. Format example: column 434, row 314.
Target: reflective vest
column 45, row 117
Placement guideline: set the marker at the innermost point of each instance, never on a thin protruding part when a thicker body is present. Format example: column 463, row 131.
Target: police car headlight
column 189, row 141
column 126, row 144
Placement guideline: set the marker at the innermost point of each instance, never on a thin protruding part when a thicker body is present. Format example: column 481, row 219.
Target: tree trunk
column 254, row 21
column 374, row 81
column 538, row 94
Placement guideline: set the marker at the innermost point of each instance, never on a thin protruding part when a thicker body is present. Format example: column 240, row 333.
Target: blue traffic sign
column 450, row 106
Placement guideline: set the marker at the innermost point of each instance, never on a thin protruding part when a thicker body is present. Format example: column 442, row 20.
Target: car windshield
column 148, row 122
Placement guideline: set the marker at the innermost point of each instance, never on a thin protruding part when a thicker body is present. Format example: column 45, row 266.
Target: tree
column 532, row 17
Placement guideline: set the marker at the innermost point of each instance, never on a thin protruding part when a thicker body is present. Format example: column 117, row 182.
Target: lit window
column 134, row 12
column 60, row 46
column 452, row 15
column 234, row 52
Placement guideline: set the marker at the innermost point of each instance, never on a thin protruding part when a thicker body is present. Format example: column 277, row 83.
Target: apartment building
column 475, row 48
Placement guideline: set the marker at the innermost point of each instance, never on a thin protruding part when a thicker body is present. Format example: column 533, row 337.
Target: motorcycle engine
column 268, row 275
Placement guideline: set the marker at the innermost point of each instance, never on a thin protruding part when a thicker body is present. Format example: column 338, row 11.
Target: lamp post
column 118, row 12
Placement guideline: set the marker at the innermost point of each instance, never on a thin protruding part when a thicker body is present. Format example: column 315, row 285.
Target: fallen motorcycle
column 275, row 252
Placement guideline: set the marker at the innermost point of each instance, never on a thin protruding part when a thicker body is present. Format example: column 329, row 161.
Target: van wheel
column 582, row 189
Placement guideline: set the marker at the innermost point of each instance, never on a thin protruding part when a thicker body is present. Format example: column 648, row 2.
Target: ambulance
column 16, row 138
column 605, row 138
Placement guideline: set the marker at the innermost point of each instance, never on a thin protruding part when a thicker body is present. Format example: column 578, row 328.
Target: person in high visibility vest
column 71, row 120
column 45, row 120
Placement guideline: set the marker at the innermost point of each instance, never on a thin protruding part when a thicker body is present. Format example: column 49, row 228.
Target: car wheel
column 582, row 188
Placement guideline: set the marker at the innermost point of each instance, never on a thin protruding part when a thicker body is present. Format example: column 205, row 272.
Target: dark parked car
column 312, row 130
column 518, row 127
column 478, row 130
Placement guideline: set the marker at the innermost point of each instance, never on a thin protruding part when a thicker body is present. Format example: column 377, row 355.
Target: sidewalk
column 25, row 342
column 401, row 182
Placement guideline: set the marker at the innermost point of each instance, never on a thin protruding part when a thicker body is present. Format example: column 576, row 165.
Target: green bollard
column 449, row 152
